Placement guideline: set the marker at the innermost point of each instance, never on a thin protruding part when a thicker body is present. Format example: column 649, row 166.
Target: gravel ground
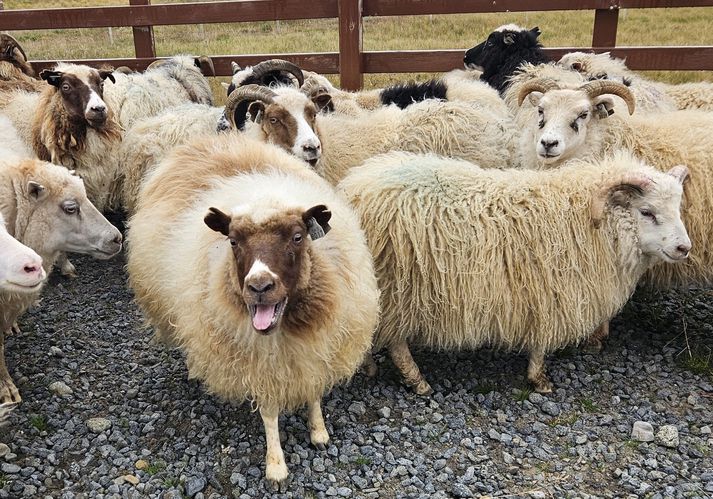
column 106, row 413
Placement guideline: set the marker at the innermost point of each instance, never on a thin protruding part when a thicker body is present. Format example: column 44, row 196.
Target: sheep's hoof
column 423, row 388
column 15, row 328
column 593, row 346
column 276, row 474
column 319, row 439
column 541, row 384
column 370, row 369
column 9, row 393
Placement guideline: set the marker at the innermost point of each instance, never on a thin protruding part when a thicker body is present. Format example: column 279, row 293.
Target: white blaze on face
column 307, row 145
column 95, row 103
column 259, row 267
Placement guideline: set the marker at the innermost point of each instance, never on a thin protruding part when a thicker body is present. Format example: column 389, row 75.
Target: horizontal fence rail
column 352, row 62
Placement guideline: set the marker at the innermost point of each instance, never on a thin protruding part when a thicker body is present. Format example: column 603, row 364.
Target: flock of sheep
column 277, row 240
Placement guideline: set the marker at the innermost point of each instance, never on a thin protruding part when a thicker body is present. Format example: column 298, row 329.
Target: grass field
column 682, row 26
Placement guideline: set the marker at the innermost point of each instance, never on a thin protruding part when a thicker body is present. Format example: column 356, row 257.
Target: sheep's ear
column 256, row 109
column 107, row 74
column 235, row 66
column 205, row 64
column 218, row 221
column 679, row 172
column 51, row 77
column 509, row 39
column 534, row 98
column 36, row 190
column 604, row 106
column 323, row 101
column 536, row 31
column 316, row 219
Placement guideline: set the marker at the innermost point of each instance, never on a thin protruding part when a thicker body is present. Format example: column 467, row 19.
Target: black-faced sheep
column 270, row 73
column 504, row 51
column 270, row 293
column 46, row 208
column 519, row 259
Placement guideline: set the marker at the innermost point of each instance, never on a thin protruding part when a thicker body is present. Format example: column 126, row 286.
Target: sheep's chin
column 265, row 318
column 470, row 65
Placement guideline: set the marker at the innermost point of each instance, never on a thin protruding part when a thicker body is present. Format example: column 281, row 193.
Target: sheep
column 460, row 129
column 15, row 71
column 46, row 208
column 516, row 259
column 264, row 307
column 651, row 96
column 662, row 140
column 456, row 85
column 503, row 52
column 20, row 267
column 165, row 84
column 270, row 73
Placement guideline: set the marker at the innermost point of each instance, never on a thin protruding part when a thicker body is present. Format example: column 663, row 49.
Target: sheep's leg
column 275, row 467
column 401, row 356
column 66, row 268
column 595, row 342
column 536, row 372
column 8, row 391
column 317, row 431
column 369, row 365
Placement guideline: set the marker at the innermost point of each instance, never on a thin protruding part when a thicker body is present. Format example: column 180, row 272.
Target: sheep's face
column 500, row 46
column 563, row 117
column 20, row 268
column 82, row 92
column 658, row 212
column 290, row 122
column 593, row 66
column 62, row 218
column 271, row 257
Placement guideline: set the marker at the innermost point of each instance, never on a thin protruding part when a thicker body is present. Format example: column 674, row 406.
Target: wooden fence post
column 350, row 44
column 606, row 22
column 144, row 45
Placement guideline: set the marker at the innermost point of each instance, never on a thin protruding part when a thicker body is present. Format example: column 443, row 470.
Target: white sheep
column 662, row 140
column 268, row 303
column 651, row 95
column 46, row 208
column 517, row 259
column 20, row 267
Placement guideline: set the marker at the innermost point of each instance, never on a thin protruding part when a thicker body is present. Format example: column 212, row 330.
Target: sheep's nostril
column 30, row 269
column 683, row 249
column 261, row 287
column 117, row 239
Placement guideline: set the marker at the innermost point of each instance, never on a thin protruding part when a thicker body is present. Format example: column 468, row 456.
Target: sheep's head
column 11, row 51
column 563, row 115
column 500, row 46
column 654, row 200
column 271, row 73
column 272, row 258
column 20, row 268
column 285, row 116
column 594, row 66
column 82, row 91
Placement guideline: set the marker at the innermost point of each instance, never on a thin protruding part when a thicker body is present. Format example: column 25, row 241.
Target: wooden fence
column 351, row 62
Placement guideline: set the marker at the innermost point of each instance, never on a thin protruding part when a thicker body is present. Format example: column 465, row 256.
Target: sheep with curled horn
column 16, row 73
column 517, row 259
column 567, row 124
column 270, row 73
column 651, row 96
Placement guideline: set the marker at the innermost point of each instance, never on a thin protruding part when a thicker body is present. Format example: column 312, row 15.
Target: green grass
column 564, row 420
column 39, row 422
column 171, row 482
column 155, row 467
column 363, row 460
column 681, row 26
column 698, row 362
column 3, row 480
column 522, row 394
column 588, row 405
column 484, row 388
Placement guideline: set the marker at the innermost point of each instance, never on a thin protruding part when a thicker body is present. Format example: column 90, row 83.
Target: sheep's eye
column 575, row 126
column 233, row 242
column 583, row 116
column 540, row 111
column 274, row 120
column 648, row 214
column 541, row 123
column 70, row 208
column 297, row 238
column 66, row 87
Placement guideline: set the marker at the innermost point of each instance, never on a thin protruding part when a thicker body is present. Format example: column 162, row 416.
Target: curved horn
column 600, row 87
column 10, row 42
column 272, row 65
column 536, row 85
column 313, row 87
column 157, row 63
column 247, row 93
column 634, row 183
column 205, row 64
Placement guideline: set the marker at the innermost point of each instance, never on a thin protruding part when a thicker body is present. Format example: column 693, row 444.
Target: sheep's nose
column 32, row 269
column 549, row 144
column 117, row 239
column 684, row 249
column 260, row 286
column 99, row 108
column 311, row 148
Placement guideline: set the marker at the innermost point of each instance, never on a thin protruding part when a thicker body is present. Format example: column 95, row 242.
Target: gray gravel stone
column 10, row 468
column 667, row 436
column 551, row 408
column 357, row 408
column 642, row 432
column 60, row 388
column 98, row 425
column 4, row 450
column 194, row 485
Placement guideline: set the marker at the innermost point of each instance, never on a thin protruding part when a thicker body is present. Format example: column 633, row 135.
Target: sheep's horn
column 312, row 87
column 272, row 65
column 536, row 85
column 9, row 42
column 234, row 66
column 246, row 93
column 156, row 64
column 600, row 87
column 633, row 183
column 206, row 66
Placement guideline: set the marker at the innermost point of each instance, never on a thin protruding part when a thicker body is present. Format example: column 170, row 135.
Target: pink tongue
column 263, row 316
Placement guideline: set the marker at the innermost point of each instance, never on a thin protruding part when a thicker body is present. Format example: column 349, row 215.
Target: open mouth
column 312, row 162
column 266, row 317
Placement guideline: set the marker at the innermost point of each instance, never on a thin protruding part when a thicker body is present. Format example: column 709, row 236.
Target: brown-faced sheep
column 518, row 259
column 271, row 294
column 46, row 208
